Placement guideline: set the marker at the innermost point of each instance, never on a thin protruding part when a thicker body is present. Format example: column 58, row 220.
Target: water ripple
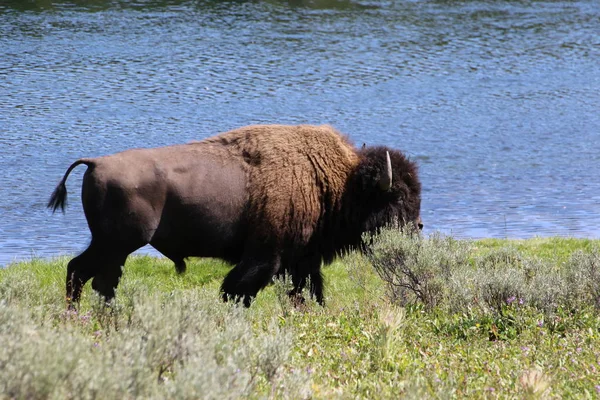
column 496, row 100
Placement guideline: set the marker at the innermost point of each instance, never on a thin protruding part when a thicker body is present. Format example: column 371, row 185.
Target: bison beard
column 267, row 198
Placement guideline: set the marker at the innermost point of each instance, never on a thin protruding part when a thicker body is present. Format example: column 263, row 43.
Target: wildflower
column 511, row 299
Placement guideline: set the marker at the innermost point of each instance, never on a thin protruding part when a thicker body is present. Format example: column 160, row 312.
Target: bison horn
column 385, row 183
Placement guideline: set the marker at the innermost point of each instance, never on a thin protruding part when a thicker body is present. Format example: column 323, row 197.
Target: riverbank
column 502, row 325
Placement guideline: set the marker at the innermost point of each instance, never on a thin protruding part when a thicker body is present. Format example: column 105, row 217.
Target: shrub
column 583, row 278
column 184, row 346
column 439, row 271
column 415, row 269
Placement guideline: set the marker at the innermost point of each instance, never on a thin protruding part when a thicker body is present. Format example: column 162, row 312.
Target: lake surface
column 498, row 101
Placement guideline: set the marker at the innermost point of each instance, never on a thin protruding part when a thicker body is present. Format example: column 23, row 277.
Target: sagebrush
column 440, row 271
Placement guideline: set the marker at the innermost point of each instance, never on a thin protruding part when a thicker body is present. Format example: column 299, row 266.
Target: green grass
column 553, row 248
column 169, row 336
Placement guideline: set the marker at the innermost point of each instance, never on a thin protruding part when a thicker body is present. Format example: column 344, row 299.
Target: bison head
column 389, row 189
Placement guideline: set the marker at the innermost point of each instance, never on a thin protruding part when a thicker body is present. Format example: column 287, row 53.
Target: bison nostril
column 420, row 225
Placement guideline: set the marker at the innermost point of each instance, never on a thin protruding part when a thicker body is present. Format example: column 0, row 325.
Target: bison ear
column 385, row 183
column 364, row 146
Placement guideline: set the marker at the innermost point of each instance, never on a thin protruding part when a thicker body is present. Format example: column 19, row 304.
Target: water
column 498, row 101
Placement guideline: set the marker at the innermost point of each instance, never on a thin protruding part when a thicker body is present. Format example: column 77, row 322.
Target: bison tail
column 59, row 196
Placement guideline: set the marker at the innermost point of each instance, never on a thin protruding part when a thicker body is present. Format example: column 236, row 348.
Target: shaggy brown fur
column 268, row 198
column 293, row 171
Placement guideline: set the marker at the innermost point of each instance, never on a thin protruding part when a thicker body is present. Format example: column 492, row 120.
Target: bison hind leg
column 107, row 279
column 99, row 261
column 171, row 254
column 180, row 266
column 79, row 270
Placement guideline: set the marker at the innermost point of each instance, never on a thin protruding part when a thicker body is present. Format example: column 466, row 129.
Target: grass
column 169, row 336
column 553, row 248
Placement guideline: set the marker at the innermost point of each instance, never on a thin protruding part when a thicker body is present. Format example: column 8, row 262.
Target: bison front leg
column 247, row 278
column 316, row 286
column 307, row 268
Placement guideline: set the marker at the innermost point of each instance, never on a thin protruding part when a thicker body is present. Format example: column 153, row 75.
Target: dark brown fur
column 268, row 198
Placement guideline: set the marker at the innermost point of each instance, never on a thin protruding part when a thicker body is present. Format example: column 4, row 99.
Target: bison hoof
column 296, row 298
column 71, row 305
column 247, row 299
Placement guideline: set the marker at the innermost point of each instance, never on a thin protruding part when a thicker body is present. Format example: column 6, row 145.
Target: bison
column 267, row 198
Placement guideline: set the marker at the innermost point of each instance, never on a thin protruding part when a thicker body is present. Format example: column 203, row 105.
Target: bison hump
column 295, row 174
